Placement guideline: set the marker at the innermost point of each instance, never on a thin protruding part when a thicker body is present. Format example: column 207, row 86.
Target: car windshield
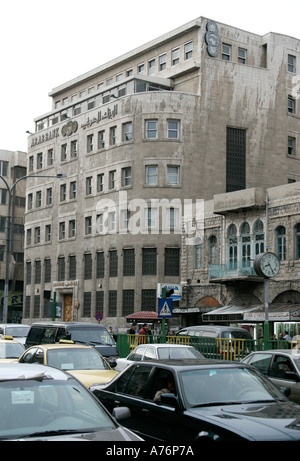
column 226, row 385
column 91, row 335
column 17, row 332
column 33, row 407
column 178, row 353
column 11, row 350
column 76, row 359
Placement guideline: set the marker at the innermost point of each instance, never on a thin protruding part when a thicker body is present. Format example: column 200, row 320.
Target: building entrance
column 68, row 308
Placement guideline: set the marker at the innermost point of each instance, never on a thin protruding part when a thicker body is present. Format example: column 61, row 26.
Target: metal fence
column 214, row 348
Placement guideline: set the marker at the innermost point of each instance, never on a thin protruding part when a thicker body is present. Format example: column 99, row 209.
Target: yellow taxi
column 10, row 350
column 83, row 362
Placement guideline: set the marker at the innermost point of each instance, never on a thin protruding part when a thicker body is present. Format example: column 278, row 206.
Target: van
column 215, row 331
column 90, row 334
column 17, row 330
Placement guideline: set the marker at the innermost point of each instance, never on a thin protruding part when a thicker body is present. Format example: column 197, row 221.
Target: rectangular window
column 88, row 185
column 72, row 267
column 76, row 109
column 28, row 273
column 100, row 265
column 88, row 266
column 124, row 221
column 63, row 193
column 188, row 50
column 197, row 256
column 90, row 143
column 87, row 304
column 111, row 221
column 172, row 261
column 113, row 263
column 39, row 161
column 62, row 231
column 149, row 261
column 151, row 129
column 99, row 301
column 242, row 55
column 72, row 228
column 141, row 69
column 50, row 157
column 49, row 196
column 113, row 136
column 226, row 52
column 126, row 176
column 291, row 64
column 112, row 179
column 28, row 237
column 162, row 62
column 63, row 152
column 112, row 303
column 152, row 175
column 37, row 235
column 29, row 202
column 173, row 175
column 88, row 225
column 291, row 105
column 128, row 262
column 48, row 233
column 151, row 67
column 128, row 302
column 173, row 129
column 101, row 139
column 30, row 164
column 74, row 149
column 38, row 199
column 149, row 300
column 73, row 190
column 47, row 272
column 100, row 182
column 38, row 272
column 151, row 218
column 235, row 159
column 127, row 131
column 291, row 145
column 175, row 56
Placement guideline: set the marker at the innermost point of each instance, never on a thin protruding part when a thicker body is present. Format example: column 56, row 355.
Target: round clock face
column 267, row 265
column 213, row 39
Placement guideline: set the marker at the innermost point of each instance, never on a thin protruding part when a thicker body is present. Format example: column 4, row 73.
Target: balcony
column 233, row 272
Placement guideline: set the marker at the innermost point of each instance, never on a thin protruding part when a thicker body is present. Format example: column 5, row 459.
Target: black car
column 208, row 400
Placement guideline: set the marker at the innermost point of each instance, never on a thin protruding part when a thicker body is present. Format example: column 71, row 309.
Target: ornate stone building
column 205, row 109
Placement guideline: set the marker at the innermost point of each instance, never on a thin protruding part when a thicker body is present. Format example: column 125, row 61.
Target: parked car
column 91, row 334
column 17, row 330
column 214, row 331
column 282, row 367
column 83, row 362
column 159, row 352
column 210, row 400
column 10, row 350
column 44, row 403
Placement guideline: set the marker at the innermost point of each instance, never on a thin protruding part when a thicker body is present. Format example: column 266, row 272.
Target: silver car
column 45, row 403
column 159, row 352
column 282, row 367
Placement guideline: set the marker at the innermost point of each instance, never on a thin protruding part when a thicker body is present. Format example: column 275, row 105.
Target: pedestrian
column 280, row 336
column 132, row 330
column 287, row 337
column 142, row 336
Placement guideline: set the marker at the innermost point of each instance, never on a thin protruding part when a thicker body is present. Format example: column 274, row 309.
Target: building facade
column 205, row 109
column 12, row 168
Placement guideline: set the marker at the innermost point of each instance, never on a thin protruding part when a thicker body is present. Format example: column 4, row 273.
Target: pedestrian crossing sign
column 165, row 307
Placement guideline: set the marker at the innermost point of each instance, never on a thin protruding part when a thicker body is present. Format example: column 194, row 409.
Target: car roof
column 9, row 325
column 61, row 346
column 190, row 363
column 8, row 340
column 276, row 351
column 167, row 345
column 11, row 371
column 64, row 324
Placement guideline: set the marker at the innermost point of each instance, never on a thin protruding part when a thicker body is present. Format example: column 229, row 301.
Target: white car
column 159, row 352
column 16, row 330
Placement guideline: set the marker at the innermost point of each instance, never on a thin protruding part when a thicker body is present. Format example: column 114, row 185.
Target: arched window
column 281, row 243
column 212, row 249
column 245, row 244
column 297, row 241
column 232, row 247
column 259, row 237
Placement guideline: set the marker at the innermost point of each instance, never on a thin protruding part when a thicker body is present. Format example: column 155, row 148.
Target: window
column 73, row 190
column 113, row 263
column 173, row 175
column 149, row 300
column 49, row 196
column 127, row 132
column 226, row 52
column 111, row 221
column 37, row 235
column 235, row 159
column 175, row 56
column 151, row 67
column 38, row 199
column 3, row 195
column 232, row 247
column 112, row 179
column 101, row 139
column 197, row 256
column 152, row 175
column 124, row 221
column 245, row 245
column 74, row 149
column 297, row 241
column 39, row 161
column 151, row 218
column 172, row 261
column 100, row 182
column 90, row 143
column 212, row 250
column 63, row 152
column 77, row 109
column 113, row 136
column 48, row 233
column 88, row 185
column 173, row 129
column 50, row 157
column 173, row 219
column 141, row 68
column 100, row 265
column 291, row 64
column 72, row 267
column 88, row 266
column 99, row 224
column 126, row 176
column 62, row 231
column 128, row 302
column 88, row 225
column 259, row 237
column 188, row 50
column 28, row 237
column 61, row 269
column 149, row 261
column 242, row 55
column 151, row 129
column 128, row 262
column 47, row 271
column 30, row 164
column 63, row 192
column 72, row 228
column 91, row 103
column 291, row 146
column 162, row 62
column 29, row 202
column 291, row 105
column 281, row 243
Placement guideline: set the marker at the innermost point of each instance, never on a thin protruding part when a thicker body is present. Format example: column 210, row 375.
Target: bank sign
column 176, row 295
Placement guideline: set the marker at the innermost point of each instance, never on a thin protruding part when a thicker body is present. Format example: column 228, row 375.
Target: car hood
column 120, row 434
column 256, row 421
column 89, row 377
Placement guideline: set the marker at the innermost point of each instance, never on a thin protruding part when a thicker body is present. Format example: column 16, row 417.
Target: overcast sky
column 44, row 44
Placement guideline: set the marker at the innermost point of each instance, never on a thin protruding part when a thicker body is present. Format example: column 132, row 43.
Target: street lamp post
column 8, row 232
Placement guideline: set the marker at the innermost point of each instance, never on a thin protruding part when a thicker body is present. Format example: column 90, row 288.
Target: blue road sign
column 165, row 307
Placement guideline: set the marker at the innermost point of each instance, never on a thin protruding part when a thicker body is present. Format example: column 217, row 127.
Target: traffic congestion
column 56, row 385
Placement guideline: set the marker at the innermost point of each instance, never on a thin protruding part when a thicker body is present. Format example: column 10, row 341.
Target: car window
column 133, row 382
column 33, row 355
column 138, row 353
column 150, row 353
column 209, row 333
column 183, row 333
column 261, row 362
column 281, row 366
column 48, row 336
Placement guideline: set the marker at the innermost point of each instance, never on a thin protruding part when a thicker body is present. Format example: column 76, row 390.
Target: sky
column 45, row 44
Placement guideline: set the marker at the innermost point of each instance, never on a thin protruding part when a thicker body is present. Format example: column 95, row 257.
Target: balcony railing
column 243, row 269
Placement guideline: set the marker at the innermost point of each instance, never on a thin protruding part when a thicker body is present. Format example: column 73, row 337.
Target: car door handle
column 145, row 411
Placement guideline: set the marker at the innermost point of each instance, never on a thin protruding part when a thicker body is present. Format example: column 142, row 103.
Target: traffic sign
column 165, row 307
column 99, row 317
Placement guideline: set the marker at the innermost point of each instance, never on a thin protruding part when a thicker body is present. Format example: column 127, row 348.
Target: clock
column 267, row 265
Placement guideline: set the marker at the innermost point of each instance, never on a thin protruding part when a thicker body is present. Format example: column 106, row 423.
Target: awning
column 276, row 313
column 229, row 313
column 143, row 315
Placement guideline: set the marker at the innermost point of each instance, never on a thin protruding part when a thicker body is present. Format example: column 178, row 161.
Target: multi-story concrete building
column 205, row 109
column 12, row 168
column 218, row 271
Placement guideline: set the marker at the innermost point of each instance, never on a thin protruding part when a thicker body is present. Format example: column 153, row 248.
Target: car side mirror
column 120, row 413
column 112, row 363
column 169, row 399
